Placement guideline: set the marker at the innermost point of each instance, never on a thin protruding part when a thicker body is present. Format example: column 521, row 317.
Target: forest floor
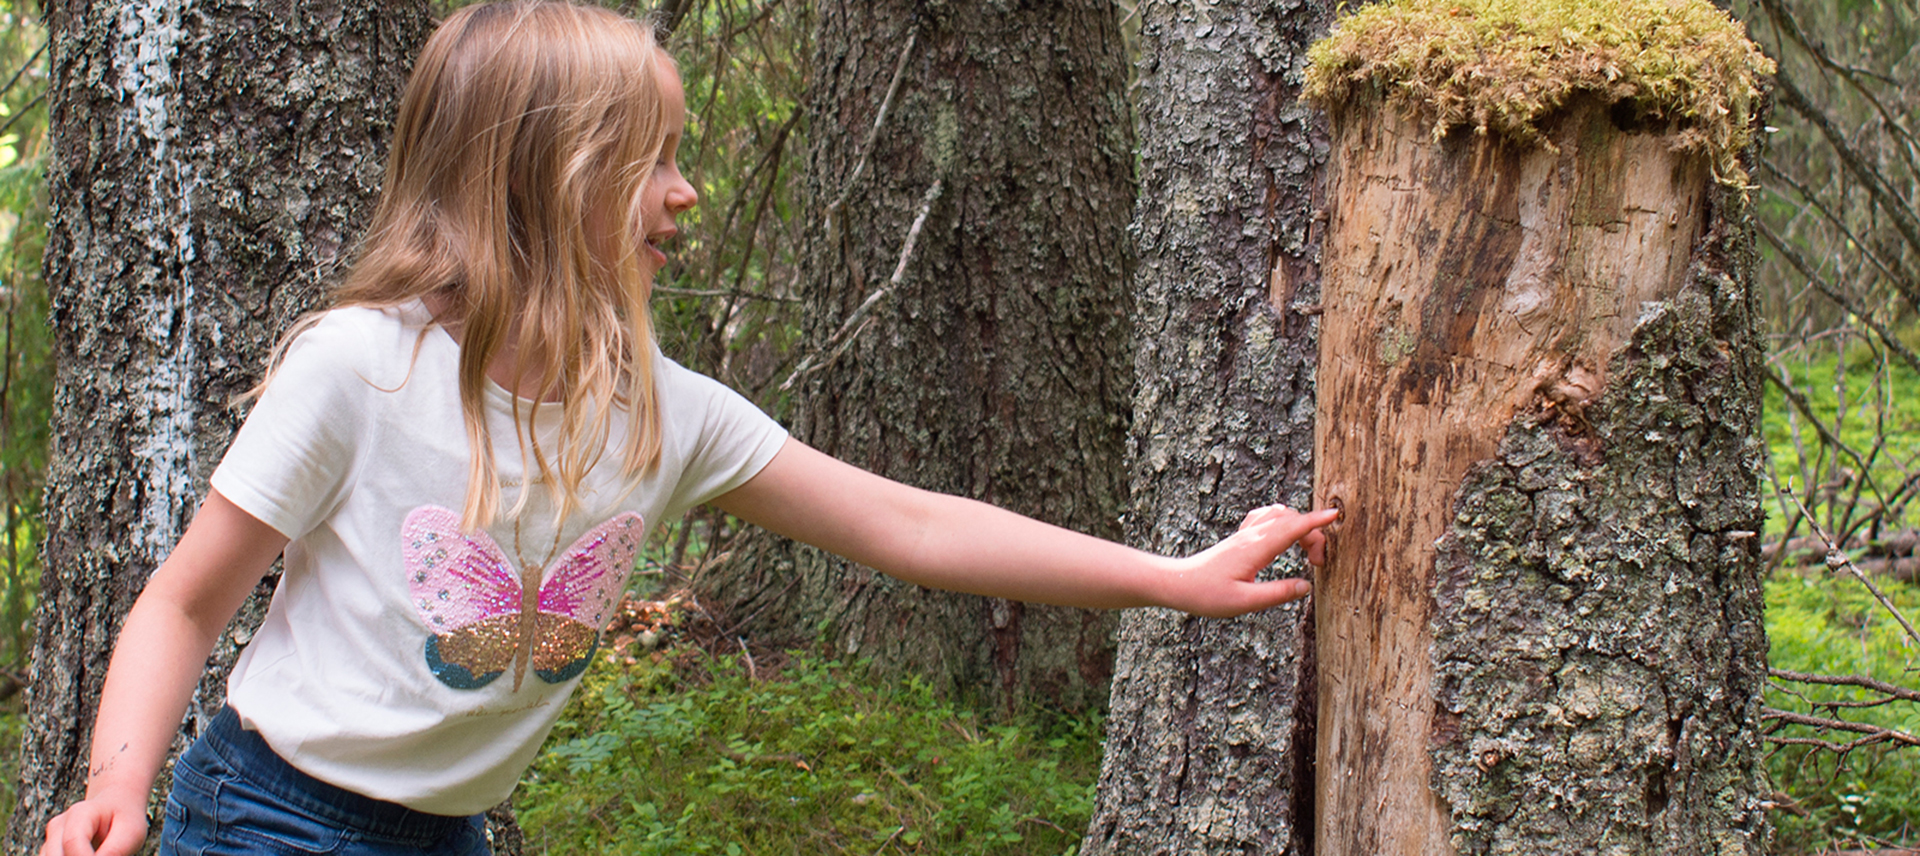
column 684, row 742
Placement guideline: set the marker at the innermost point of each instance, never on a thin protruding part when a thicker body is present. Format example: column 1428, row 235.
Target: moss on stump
column 1501, row 66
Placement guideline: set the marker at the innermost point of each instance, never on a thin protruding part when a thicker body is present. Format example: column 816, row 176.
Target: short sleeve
column 729, row 440
column 289, row 464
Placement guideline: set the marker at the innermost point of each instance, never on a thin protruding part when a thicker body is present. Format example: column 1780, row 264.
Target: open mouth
column 655, row 242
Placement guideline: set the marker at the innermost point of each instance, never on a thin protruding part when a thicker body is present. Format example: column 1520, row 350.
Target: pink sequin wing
column 588, row 578
column 456, row 579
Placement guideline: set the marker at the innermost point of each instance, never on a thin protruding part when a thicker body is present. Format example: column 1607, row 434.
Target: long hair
column 512, row 199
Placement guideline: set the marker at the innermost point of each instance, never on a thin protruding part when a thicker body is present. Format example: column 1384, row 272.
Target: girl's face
column 668, row 193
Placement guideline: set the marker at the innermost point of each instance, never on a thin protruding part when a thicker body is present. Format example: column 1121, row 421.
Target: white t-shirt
column 399, row 658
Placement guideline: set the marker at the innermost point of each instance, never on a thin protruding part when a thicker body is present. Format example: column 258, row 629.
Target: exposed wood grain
column 1464, row 283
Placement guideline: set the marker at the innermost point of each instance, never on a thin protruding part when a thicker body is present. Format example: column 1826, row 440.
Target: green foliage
column 709, row 759
column 1869, row 797
column 726, row 304
column 1843, row 426
column 1503, row 65
column 26, row 366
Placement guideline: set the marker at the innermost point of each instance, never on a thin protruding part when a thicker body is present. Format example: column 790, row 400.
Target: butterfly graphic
column 485, row 617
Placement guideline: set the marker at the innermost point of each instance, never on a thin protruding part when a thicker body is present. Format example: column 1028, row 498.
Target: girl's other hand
column 1222, row 581
column 97, row 827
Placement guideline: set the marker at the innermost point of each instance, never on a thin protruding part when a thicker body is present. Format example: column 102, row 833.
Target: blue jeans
column 232, row 795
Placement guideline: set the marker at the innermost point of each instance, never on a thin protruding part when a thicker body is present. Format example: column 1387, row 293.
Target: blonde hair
column 527, row 134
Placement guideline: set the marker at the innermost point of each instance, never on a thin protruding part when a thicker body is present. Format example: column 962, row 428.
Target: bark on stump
column 996, row 369
column 1540, row 623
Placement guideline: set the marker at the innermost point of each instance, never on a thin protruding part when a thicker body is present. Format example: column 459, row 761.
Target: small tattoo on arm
column 106, row 765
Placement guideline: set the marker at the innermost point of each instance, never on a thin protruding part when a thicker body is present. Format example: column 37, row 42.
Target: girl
column 460, row 459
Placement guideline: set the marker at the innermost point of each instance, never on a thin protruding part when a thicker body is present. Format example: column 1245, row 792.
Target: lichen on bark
column 211, row 160
column 1599, row 649
column 1210, row 739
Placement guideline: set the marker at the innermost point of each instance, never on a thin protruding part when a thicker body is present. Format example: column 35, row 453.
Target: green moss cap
column 1502, row 65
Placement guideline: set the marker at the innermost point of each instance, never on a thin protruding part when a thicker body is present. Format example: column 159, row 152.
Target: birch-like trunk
column 211, row 161
column 1210, row 738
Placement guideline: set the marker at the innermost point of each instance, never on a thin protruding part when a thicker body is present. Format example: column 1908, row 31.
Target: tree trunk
column 211, row 159
column 1540, row 619
column 996, row 369
column 1210, row 736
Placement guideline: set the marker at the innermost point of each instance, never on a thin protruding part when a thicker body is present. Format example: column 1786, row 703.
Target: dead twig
column 879, row 119
column 1874, row 733
column 1878, row 686
column 1837, row 559
column 856, row 321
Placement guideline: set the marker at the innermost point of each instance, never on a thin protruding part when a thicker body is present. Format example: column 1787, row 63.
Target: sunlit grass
column 1873, row 407
column 687, row 754
column 1870, row 797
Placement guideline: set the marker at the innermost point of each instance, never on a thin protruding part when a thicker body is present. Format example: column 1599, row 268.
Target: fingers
column 1315, row 544
column 71, row 833
column 76, row 832
column 1292, row 527
column 124, row 837
column 1259, row 596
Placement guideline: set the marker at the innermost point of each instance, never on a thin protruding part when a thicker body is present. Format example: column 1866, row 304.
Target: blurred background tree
column 26, row 378
column 1839, row 204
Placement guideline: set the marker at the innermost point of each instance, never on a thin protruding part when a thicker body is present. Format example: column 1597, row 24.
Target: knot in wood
column 1488, row 760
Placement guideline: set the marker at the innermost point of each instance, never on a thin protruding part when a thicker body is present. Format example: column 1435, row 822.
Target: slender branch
column 1830, row 746
column 1785, row 19
column 1878, row 686
column 722, row 292
column 1800, row 403
column 1890, row 201
column 769, row 157
column 1836, row 559
column 1903, row 280
column 879, row 119
column 1800, row 264
column 1877, row 733
column 849, row 329
column 23, row 111
column 8, row 87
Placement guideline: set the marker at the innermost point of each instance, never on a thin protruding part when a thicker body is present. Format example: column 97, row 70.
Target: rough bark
column 1540, row 619
column 211, row 158
column 997, row 368
column 1209, row 742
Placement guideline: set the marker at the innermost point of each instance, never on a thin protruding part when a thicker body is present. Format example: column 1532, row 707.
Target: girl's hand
column 98, row 827
column 1221, row 581
column 159, row 657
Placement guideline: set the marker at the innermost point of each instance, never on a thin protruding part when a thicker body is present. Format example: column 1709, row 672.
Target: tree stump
column 1539, row 626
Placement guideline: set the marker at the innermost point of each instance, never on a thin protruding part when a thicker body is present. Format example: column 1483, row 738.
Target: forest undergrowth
column 1839, row 521
column 686, row 740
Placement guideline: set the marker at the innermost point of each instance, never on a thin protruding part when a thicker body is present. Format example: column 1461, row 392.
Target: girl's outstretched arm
column 948, row 542
column 158, row 659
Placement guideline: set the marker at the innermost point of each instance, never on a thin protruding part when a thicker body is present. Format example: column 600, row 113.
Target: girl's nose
column 681, row 195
